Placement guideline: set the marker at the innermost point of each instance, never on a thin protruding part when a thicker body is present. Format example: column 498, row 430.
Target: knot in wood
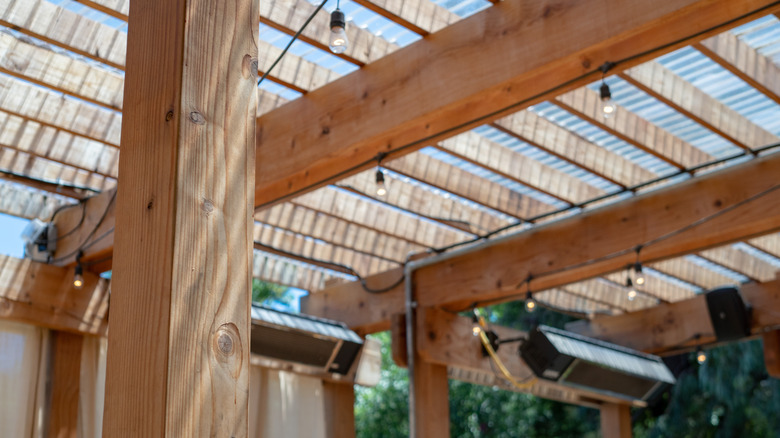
column 168, row 116
column 197, row 118
column 225, row 344
column 207, row 206
column 249, row 67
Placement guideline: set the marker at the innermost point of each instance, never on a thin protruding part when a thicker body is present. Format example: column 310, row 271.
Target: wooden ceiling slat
column 50, row 108
column 655, row 286
column 286, row 273
column 575, row 303
column 60, row 72
column 744, row 61
column 115, row 8
column 43, row 169
column 466, row 185
column 336, row 232
column 293, row 71
column 693, row 273
column 629, row 127
column 57, row 145
column 68, row 30
column 351, row 208
column 742, row 262
column 28, row 204
column 769, row 244
column 542, row 133
column 420, row 201
column 421, row 16
column 515, row 166
column 610, row 294
column 663, row 84
column 289, row 15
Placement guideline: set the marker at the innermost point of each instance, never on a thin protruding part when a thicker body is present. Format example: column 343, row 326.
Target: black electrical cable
column 13, row 175
column 292, row 40
column 622, row 252
column 86, row 243
column 516, row 105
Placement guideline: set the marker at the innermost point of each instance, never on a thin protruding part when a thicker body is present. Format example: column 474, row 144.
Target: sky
column 10, row 235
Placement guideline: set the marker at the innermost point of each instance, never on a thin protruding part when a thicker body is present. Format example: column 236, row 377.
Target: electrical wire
column 521, row 385
column 513, row 106
column 292, row 40
column 86, row 243
column 52, row 183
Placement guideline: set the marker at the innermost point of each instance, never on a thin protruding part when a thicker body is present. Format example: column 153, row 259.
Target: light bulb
column 607, row 106
column 631, row 291
column 475, row 330
column 639, row 277
column 381, row 188
column 338, row 41
column 530, row 302
column 701, row 356
column 78, row 277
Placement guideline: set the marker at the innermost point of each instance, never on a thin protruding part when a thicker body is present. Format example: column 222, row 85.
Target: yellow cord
column 489, row 348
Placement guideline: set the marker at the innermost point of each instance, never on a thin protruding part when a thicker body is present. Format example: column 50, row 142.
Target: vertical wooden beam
column 432, row 402
column 178, row 355
column 772, row 352
column 66, row 370
column 339, row 409
column 616, row 421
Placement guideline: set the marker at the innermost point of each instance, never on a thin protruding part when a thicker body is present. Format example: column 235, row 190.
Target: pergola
column 504, row 178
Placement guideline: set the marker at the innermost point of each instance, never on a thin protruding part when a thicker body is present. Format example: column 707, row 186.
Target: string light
column 607, row 105
column 476, row 328
column 381, row 187
column 338, row 41
column 631, row 290
column 530, row 302
column 639, row 276
column 701, row 356
column 78, row 273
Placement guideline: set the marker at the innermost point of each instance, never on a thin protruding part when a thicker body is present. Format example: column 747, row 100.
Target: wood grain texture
column 492, row 271
column 178, row 360
column 616, row 421
column 339, row 401
column 402, row 99
column 65, row 377
column 43, row 295
column 674, row 327
column 771, row 343
column 431, row 392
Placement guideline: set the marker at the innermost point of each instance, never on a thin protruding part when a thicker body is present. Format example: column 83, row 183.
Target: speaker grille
column 604, row 379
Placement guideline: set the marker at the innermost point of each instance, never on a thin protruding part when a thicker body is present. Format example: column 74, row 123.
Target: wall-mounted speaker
column 729, row 314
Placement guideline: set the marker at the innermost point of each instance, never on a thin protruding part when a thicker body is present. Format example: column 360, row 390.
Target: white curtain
column 283, row 404
column 23, row 352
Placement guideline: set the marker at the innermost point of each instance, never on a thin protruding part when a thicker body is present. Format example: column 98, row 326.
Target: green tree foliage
column 269, row 293
column 729, row 396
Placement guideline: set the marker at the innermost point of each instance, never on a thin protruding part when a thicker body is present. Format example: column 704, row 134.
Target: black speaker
column 729, row 314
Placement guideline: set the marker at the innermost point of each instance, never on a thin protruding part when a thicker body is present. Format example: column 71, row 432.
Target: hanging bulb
column 701, row 356
column 631, row 290
column 78, row 277
column 338, row 36
column 639, row 277
column 607, row 106
column 530, row 302
column 476, row 327
column 381, row 188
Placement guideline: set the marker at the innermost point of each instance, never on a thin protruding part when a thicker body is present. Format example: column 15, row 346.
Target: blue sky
column 10, row 235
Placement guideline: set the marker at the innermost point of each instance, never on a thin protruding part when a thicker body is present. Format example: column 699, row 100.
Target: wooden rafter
column 494, row 271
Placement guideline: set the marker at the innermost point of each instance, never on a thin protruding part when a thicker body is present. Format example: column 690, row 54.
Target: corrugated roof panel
column 736, row 276
column 665, row 117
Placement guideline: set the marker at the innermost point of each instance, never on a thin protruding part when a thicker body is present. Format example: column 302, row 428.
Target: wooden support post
column 66, row 370
column 432, row 399
column 178, row 355
column 616, row 421
column 772, row 352
column 339, row 409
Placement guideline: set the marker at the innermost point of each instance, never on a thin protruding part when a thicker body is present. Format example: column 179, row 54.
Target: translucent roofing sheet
column 763, row 35
column 665, row 117
column 463, row 8
column 544, row 157
column 493, row 177
column 598, row 136
column 723, row 85
column 376, row 24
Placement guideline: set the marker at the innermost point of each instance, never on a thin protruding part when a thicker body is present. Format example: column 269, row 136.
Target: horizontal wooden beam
column 673, row 327
column 447, row 339
column 703, row 212
column 43, row 295
column 401, row 99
